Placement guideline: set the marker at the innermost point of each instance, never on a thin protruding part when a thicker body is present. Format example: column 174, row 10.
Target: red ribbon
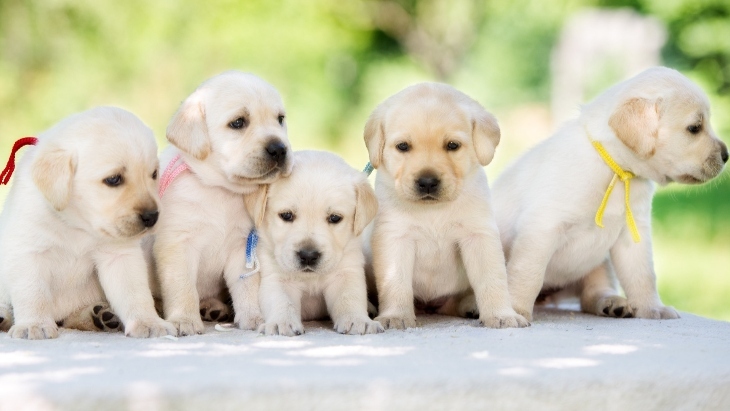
column 10, row 167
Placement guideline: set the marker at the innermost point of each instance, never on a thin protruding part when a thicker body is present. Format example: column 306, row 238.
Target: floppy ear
column 636, row 124
column 255, row 204
column 188, row 129
column 366, row 206
column 52, row 171
column 374, row 135
column 485, row 133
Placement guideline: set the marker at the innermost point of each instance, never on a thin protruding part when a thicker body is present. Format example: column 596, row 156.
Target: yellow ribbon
column 624, row 176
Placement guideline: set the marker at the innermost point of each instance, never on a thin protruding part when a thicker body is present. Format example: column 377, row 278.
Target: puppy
column 71, row 228
column 655, row 126
column 311, row 254
column 435, row 239
column 230, row 136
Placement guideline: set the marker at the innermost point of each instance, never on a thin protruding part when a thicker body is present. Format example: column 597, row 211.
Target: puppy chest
column 438, row 269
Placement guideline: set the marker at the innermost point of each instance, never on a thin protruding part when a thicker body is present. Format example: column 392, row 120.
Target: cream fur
column 547, row 200
column 321, row 185
column 446, row 246
column 68, row 240
column 200, row 244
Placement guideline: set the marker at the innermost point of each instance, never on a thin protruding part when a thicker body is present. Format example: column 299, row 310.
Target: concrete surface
column 565, row 361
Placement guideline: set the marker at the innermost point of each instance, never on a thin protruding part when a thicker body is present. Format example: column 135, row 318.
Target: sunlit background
column 530, row 62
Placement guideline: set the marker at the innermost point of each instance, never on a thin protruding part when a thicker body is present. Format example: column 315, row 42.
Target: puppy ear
column 255, row 204
column 188, row 129
column 52, row 172
column 374, row 135
column 636, row 124
column 485, row 133
column 366, row 206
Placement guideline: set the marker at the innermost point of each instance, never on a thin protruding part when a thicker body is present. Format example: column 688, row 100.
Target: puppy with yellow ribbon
column 565, row 220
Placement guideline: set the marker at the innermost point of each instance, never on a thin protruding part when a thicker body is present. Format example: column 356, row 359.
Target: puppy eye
column 452, row 146
column 334, row 218
column 403, row 147
column 237, row 124
column 694, row 128
column 154, row 175
column 281, row 120
column 287, row 216
column 114, row 180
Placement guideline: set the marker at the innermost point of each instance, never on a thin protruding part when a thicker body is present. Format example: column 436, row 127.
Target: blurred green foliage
column 334, row 60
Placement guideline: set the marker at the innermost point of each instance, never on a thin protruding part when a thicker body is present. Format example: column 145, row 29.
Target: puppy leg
column 484, row 263
column 244, row 291
column 123, row 276
column 598, row 294
column 32, row 303
column 214, row 310
column 6, row 317
column 281, row 306
column 96, row 317
column 393, row 264
column 177, row 273
column 347, row 303
column 529, row 257
column 635, row 271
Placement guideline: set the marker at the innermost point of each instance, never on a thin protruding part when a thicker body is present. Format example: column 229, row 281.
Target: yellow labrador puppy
column 435, row 238
column 311, row 253
column 654, row 127
column 229, row 137
column 71, row 228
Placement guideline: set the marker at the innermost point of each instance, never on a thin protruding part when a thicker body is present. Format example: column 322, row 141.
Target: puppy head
column 98, row 169
column 314, row 213
column 665, row 120
column 428, row 138
column 235, row 122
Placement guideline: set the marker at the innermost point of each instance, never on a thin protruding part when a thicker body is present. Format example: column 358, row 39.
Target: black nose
column 723, row 152
column 277, row 151
column 149, row 218
column 428, row 184
column 308, row 257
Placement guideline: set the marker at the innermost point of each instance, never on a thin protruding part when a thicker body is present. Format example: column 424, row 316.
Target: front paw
column 358, row 326
column 288, row 328
column 34, row 331
column 525, row 312
column 249, row 317
column 149, row 328
column 656, row 312
column 397, row 322
column 187, row 325
column 504, row 320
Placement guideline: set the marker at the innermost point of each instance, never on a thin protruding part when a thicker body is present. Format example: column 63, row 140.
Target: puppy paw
column 397, row 322
column 35, row 331
column 104, row 319
column 468, row 307
column 288, row 328
column 214, row 310
column 657, row 312
column 6, row 318
column 526, row 313
column 358, row 326
column 504, row 320
column 614, row 306
column 149, row 328
column 187, row 325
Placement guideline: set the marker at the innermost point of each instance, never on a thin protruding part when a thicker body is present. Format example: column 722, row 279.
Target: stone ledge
column 566, row 360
